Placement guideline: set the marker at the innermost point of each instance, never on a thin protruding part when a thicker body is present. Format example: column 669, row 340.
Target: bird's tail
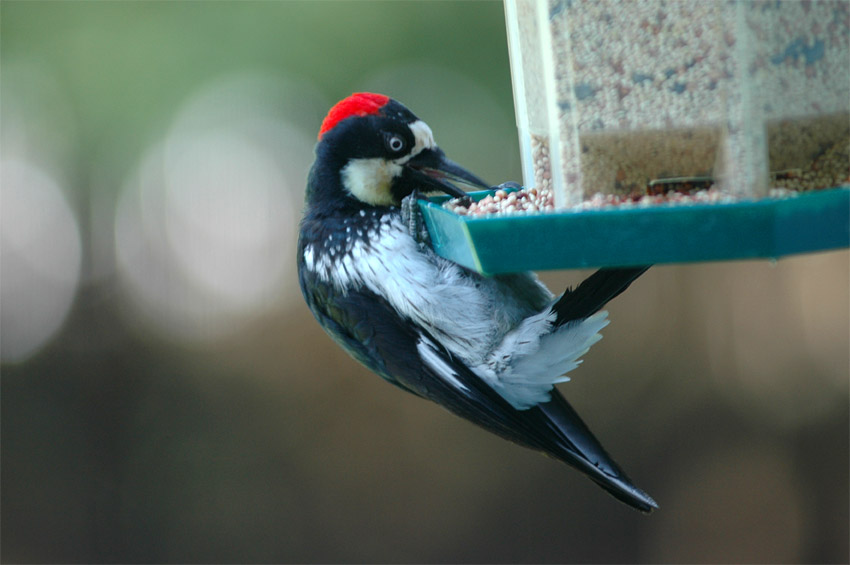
column 593, row 293
column 578, row 447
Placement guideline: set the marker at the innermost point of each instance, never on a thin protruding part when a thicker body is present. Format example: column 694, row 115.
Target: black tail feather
column 594, row 292
column 578, row 447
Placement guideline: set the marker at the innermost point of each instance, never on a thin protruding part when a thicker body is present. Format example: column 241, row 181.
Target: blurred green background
column 167, row 397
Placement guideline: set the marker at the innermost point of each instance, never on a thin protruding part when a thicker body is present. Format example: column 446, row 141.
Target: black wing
column 409, row 357
column 338, row 314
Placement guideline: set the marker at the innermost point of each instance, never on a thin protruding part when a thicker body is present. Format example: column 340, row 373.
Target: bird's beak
column 432, row 169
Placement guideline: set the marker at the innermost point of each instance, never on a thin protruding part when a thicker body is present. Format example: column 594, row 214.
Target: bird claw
column 465, row 202
column 412, row 218
column 510, row 185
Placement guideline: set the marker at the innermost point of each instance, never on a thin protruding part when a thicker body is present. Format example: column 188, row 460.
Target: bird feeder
column 630, row 113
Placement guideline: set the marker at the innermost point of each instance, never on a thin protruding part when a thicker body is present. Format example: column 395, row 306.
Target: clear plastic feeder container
column 612, row 96
column 640, row 101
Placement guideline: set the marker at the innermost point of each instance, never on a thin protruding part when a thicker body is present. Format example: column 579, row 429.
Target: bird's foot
column 510, row 185
column 412, row 217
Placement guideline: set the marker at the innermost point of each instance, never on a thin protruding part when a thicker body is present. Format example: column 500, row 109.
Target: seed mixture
column 529, row 200
column 665, row 65
column 830, row 169
column 504, row 202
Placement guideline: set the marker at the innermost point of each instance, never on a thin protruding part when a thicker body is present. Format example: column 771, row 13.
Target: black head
column 374, row 151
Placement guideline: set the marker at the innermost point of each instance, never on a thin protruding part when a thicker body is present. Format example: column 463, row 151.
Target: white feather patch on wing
column 428, row 352
column 531, row 359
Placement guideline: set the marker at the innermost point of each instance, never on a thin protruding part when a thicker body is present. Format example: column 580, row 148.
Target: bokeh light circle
column 205, row 227
column 40, row 257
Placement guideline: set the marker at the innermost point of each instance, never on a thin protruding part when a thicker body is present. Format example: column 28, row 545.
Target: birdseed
column 828, row 170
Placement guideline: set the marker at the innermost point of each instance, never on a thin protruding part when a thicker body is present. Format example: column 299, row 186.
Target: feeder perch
column 632, row 100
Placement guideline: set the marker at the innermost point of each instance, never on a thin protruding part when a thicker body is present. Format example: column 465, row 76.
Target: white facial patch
column 423, row 139
column 423, row 135
column 369, row 180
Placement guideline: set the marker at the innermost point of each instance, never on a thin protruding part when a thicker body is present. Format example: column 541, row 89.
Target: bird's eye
column 395, row 143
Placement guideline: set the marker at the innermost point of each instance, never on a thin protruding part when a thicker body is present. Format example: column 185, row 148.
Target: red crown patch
column 358, row 104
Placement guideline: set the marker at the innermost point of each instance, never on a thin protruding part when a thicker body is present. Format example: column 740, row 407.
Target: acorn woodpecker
column 489, row 349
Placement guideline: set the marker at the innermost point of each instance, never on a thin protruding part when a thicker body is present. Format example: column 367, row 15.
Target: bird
column 490, row 349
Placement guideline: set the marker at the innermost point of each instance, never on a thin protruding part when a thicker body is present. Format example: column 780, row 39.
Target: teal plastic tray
column 769, row 228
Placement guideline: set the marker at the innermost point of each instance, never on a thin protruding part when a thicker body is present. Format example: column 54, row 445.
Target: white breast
column 467, row 313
